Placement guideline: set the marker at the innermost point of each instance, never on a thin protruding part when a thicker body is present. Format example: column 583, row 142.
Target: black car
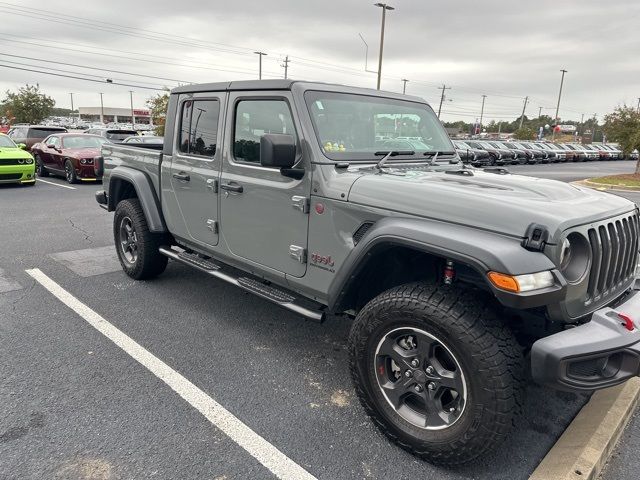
column 521, row 156
column 498, row 156
column 548, row 155
column 474, row 156
column 537, row 155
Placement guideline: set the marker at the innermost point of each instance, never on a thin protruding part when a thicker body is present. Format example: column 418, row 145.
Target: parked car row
column 500, row 152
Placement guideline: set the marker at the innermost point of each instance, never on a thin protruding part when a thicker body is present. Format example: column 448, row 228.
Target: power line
column 80, row 78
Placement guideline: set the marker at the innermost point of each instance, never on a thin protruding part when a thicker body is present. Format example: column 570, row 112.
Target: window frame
column 232, row 140
column 178, row 151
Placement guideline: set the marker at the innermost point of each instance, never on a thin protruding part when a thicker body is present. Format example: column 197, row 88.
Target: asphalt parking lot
column 75, row 405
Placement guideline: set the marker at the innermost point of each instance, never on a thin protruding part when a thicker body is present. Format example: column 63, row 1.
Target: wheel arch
column 398, row 250
column 126, row 183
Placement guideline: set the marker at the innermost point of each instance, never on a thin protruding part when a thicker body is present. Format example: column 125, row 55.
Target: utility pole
column 71, row 94
column 285, row 64
column 593, row 130
column 638, row 105
column 526, row 99
column 101, row 109
column 443, row 88
column 482, row 111
column 582, row 125
column 539, row 112
column 553, row 135
column 384, row 7
column 404, row 85
column 133, row 118
column 260, row 55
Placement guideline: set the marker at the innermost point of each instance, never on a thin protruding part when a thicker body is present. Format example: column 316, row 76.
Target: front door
column 195, row 168
column 264, row 214
column 50, row 156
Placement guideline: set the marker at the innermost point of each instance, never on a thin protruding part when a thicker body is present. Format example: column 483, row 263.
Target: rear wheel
column 436, row 371
column 41, row 171
column 137, row 247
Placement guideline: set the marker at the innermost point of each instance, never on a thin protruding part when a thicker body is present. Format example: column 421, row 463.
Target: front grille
column 614, row 254
column 10, row 176
column 9, row 161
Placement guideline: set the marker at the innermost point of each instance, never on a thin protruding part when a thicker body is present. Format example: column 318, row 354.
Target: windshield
column 6, row 142
column 120, row 134
column 43, row 132
column 82, row 141
column 355, row 127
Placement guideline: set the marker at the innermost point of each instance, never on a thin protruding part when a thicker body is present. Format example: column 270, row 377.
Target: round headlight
column 28, row 161
column 575, row 255
column 21, row 161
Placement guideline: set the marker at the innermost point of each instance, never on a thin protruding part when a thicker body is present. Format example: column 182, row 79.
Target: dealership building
column 116, row 115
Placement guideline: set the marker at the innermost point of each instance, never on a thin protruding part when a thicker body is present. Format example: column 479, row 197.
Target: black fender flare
column 482, row 250
column 145, row 192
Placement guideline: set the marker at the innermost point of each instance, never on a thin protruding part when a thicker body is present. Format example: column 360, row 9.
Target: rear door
column 264, row 214
column 195, row 168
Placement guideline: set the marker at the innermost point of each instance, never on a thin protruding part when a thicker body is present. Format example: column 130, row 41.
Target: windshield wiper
column 391, row 153
column 435, row 155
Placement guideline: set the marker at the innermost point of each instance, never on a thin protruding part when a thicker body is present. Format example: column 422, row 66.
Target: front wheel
column 137, row 247
column 41, row 171
column 436, row 371
column 70, row 172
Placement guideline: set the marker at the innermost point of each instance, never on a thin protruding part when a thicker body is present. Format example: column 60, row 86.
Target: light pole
column 384, row 7
column 101, row 109
column 71, row 95
column 260, row 55
column 553, row 135
column 443, row 88
column 526, row 99
column 482, row 112
column 133, row 118
column 539, row 112
column 404, row 85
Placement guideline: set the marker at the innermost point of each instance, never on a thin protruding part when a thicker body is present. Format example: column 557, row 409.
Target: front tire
column 70, row 172
column 41, row 171
column 137, row 247
column 436, row 371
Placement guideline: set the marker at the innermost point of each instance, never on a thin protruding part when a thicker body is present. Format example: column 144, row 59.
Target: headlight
column 575, row 255
column 522, row 283
column 28, row 161
column 21, row 161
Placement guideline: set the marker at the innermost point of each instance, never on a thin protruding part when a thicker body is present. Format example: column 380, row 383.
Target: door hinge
column 212, row 184
column 300, row 203
column 298, row 253
column 213, row 226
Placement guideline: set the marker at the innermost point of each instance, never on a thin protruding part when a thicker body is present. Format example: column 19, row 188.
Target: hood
column 502, row 203
column 13, row 152
column 81, row 152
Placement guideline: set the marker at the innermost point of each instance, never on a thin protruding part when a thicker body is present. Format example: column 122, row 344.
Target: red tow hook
column 628, row 322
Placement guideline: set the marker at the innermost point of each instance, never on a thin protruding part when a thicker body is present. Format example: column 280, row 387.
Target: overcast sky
column 504, row 49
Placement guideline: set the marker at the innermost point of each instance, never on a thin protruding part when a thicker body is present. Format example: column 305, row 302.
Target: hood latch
column 535, row 237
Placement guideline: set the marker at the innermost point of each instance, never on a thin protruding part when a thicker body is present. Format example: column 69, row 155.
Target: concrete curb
column 603, row 186
column 585, row 446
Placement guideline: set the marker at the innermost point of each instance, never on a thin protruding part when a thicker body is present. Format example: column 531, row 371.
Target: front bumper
column 599, row 354
column 17, row 173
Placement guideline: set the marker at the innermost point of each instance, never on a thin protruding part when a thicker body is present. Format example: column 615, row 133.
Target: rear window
column 43, row 132
column 120, row 134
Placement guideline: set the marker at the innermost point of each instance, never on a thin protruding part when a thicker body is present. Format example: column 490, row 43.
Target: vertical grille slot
column 614, row 254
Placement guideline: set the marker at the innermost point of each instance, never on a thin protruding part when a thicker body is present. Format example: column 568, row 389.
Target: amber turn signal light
column 504, row 282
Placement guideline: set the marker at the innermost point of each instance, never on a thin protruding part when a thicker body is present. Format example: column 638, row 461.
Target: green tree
column 623, row 126
column 525, row 133
column 28, row 105
column 158, row 106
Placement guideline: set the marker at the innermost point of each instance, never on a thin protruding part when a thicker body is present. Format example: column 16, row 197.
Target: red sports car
column 68, row 154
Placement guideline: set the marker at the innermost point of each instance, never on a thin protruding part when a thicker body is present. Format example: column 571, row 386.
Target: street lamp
column 101, row 109
column 553, row 135
column 384, row 7
column 133, row 118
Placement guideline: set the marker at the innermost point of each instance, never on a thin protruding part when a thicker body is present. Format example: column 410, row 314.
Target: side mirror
column 277, row 150
column 22, row 146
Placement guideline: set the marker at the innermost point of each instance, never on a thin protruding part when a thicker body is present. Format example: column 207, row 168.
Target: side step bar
column 253, row 285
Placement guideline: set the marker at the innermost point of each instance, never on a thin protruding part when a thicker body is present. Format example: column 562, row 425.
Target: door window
column 199, row 127
column 254, row 118
column 52, row 141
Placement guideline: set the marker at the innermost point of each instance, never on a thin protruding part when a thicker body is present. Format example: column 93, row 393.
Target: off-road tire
column 149, row 262
column 70, row 172
column 489, row 356
column 41, row 171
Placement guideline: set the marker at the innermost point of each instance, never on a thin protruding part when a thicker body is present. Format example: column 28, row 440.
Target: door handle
column 232, row 187
column 182, row 176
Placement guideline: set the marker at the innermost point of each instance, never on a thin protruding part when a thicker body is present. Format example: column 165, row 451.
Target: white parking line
column 268, row 455
column 56, row 184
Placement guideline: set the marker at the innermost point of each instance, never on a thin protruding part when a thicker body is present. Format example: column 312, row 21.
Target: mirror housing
column 22, row 146
column 277, row 150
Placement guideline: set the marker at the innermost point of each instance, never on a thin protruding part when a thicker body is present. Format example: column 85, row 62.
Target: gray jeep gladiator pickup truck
column 328, row 199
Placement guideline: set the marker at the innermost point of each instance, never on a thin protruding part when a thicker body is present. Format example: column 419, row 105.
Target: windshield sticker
column 319, row 105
